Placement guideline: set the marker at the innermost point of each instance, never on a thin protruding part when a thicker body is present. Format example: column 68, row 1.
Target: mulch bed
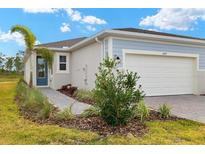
column 69, row 90
column 97, row 124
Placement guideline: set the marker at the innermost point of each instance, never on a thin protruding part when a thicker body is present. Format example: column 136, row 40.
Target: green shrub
column 116, row 94
column 21, row 89
column 32, row 100
column 91, row 112
column 46, row 111
column 142, row 111
column 66, row 114
column 164, row 111
column 84, row 95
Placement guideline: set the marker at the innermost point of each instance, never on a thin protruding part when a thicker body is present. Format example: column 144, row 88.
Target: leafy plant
column 84, row 95
column 30, row 40
column 21, row 89
column 164, row 111
column 47, row 55
column 116, row 94
column 66, row 114
column 46, row 111
column 142, row 111
column 91, row 112
column 32, row 100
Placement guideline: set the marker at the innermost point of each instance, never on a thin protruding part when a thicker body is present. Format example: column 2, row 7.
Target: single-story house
column 168, row 64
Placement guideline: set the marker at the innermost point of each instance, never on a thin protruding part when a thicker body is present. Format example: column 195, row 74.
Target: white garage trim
column 156, row 90
column 159, row 53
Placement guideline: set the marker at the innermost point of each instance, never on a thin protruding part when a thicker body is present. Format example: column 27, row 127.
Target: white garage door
column 163, row 75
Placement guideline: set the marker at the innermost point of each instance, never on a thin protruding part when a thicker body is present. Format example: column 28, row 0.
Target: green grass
column 9, row 77
column 16, row 130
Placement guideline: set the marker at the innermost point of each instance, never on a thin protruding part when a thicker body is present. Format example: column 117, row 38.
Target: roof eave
column 54, row 48
column 137, row 35
column 159, row 37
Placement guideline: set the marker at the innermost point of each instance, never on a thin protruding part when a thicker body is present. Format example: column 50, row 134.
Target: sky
column 49, row 25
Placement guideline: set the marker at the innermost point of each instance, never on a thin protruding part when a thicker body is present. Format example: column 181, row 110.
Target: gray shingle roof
column 71, row 42
column 156, row 33
column 61, row 44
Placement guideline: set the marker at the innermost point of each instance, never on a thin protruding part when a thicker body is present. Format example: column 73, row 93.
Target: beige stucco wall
column 201, row 82
column 84, row 64
column 59, row 78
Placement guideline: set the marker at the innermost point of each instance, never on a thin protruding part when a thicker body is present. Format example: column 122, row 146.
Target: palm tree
column 30, row 41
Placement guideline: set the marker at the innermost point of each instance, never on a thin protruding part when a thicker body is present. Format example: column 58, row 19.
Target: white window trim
column 67, row 62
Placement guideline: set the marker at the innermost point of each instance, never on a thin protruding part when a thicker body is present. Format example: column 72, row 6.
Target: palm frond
column 46, row 54
column 29, row 37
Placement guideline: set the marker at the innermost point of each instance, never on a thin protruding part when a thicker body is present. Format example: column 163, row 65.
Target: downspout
column 101, row 46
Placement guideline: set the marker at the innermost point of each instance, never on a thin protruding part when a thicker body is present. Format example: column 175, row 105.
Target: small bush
column 91, row 112
column 142, row 111
column 116, row 94
column 46, row 111
column 83, row 95
column 33, row 101
column 164, row 111
column 21, row 89
column 66, row 114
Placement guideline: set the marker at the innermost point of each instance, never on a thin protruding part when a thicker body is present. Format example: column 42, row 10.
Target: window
column 62, row 60
column 62, row 63
column 41, row 70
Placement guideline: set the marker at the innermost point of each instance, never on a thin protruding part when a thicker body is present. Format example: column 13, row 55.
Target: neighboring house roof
column 62, row 44
column 136, row 30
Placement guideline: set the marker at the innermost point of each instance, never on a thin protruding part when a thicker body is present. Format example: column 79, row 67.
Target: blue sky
column 60, row 24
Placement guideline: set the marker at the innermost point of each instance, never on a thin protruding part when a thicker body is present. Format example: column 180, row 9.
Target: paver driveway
column 186, row 106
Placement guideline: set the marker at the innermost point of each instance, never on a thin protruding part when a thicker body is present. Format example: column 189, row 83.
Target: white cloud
column 73, row 14
column 40, row 10
column 77, row 16
column 179, row 19
column 65, row 27
column 17, row 37
column 37, row 42
column 90, row 28
column 93, row 20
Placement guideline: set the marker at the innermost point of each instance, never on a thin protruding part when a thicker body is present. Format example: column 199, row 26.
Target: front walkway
column 186, row 106
column 62, row 101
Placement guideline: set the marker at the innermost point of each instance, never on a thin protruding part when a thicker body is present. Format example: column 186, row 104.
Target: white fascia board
column 88, row 39
column 160, row 37
column 56, row 49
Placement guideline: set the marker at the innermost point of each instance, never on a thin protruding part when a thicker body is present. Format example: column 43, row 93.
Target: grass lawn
column 9, row 78
column 16, row 130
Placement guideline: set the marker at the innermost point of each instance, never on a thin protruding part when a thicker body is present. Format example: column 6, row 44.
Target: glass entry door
column 41, row 71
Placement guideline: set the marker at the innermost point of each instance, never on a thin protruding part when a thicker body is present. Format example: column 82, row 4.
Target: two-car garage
column 163, row 73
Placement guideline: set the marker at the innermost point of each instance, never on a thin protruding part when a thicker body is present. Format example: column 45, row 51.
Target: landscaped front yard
column 14, row 129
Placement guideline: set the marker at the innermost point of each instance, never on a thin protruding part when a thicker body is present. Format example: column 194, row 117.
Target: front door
column 41, row 72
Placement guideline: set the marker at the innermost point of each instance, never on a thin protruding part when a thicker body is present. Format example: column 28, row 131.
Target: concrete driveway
column 186, row 106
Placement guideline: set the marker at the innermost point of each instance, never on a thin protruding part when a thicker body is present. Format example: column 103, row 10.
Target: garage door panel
column 163, row 75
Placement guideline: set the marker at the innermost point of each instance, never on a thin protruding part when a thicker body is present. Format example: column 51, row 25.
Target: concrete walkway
column 62, row 101
column 186, row 106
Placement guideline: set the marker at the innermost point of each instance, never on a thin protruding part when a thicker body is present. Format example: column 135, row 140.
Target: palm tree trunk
column 31, row 72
